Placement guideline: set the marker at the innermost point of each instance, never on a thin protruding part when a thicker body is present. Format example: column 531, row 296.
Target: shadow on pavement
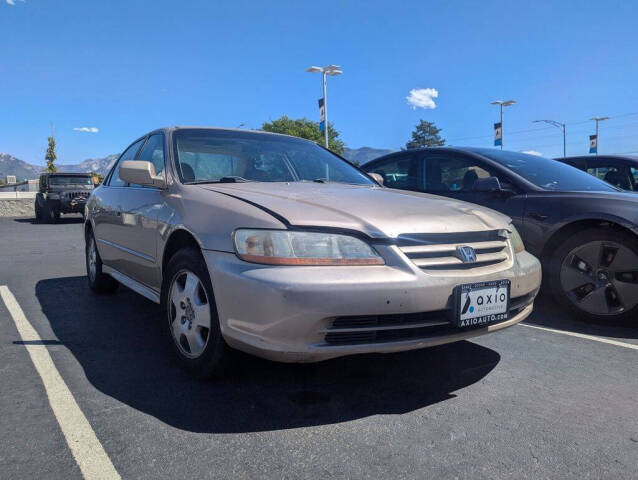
column 117, row 340
column 62, row 221
column 548, row 314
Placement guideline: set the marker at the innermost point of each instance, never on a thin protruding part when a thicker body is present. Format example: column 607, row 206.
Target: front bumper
column 284, row 313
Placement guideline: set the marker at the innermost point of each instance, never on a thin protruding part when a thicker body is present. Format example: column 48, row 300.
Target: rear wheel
column 190, row 315
column 98, row 282
column 595, row 274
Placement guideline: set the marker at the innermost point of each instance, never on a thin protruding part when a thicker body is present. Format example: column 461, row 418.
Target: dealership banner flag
column 593, row 144
column 498, row 134
column 322, row 115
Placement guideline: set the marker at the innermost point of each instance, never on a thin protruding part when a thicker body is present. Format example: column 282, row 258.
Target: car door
column 454, row 175
column 107, row 214
column 139, row 209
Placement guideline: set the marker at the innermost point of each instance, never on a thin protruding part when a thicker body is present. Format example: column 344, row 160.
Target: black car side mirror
column 490, row 184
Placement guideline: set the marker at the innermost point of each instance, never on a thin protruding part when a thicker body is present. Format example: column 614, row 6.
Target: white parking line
column 85, row 446
column 582, row 335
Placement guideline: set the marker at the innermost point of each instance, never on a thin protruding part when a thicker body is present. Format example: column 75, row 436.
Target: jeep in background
column 62, row 193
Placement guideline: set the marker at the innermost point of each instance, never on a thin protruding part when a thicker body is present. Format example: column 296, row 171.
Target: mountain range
column 10, row 165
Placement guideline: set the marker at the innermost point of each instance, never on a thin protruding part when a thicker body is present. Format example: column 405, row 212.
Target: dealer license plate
column 480, row 304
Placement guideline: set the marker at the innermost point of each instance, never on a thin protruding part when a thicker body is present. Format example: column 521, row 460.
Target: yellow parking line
column 80, row 437
column 582, row 335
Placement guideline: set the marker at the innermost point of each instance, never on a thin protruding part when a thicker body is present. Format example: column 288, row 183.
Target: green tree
column 51, row 156
column 98, row 178
column 304, row 128
column 425, row 134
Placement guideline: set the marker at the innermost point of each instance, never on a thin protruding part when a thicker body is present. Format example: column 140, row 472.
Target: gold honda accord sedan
column 273, row 245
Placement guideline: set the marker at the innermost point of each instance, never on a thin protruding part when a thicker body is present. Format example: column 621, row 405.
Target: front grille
column 398, row 327
column 438, row 251
column 72, row 195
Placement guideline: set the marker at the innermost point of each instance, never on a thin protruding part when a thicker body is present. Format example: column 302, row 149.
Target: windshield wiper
column 231, row 179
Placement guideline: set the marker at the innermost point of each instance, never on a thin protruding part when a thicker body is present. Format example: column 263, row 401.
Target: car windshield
column 548, row 174
column 70, row 180
column 208, row 156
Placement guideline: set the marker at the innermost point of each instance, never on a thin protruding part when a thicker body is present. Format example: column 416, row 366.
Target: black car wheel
column 595, row 274
column 38, row 211
column 190, row 321
column 98, row 282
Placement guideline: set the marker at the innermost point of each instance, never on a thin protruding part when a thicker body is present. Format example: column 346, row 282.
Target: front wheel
column 98, row 282
column 190, row 320
column 595, row 274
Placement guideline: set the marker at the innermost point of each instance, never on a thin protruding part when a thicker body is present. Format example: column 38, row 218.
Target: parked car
column 584, row 230
column 275, row 246
column 621, row 172
column 62, row 193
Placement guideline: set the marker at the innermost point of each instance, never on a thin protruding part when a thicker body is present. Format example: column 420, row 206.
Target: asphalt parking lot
column 560, row 401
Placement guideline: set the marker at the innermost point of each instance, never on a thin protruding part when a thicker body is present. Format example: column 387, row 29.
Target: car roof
column 221, row 129
column 69, row 174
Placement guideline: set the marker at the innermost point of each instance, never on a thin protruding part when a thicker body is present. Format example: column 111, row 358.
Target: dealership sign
column 498, row 134
column 322, row 115
column 593, row 144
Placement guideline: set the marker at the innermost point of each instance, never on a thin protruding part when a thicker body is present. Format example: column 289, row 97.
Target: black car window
column 129, row 154
column 398, row 172
column 634, row 172
column 451, row 173
column 545, row 173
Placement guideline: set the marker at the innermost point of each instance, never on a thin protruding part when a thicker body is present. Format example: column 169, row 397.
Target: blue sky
column 126, row 67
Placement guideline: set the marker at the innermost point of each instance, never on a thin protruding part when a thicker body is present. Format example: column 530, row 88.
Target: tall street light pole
column 503, row 103
column 333, row 71
column 562, row 127
column 598, row 119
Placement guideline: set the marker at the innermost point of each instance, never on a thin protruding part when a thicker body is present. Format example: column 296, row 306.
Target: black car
column 620, row 171
column 62, row 193
column 584, row 230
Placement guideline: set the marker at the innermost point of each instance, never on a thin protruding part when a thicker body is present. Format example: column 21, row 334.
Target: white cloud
column 422, row 98
column 532, row 152
column 86, row 129
column 12, row 2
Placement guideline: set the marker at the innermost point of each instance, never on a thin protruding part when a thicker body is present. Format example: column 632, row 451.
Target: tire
column 50, row 214
column 594, row 274
column 98, row 282
column 190, row 321
column 38, row 211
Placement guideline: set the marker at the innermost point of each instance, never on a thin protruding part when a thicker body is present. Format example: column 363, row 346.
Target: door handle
column 539, row 216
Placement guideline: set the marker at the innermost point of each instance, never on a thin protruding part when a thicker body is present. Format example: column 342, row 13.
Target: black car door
column 454, row 175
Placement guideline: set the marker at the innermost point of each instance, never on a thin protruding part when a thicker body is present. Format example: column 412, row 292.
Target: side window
column 399, row 172
column 452, row 174
column 153, row 152
column 129, row 154
column 634, row 172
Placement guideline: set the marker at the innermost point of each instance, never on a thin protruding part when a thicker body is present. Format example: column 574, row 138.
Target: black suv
column 62, row 193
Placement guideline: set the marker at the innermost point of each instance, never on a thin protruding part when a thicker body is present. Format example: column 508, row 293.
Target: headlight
column 284, row 247
column 515, row 238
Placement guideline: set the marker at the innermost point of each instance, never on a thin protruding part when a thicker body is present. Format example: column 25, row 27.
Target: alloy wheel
column 601, row 278
column 92, row 259
column 189, row 314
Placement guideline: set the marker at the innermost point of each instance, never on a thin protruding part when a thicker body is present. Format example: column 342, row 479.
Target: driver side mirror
column 140, row 173
column 378, row 177
column 490, row 184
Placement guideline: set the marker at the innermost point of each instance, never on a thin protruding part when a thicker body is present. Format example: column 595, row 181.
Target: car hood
column 375, row 211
